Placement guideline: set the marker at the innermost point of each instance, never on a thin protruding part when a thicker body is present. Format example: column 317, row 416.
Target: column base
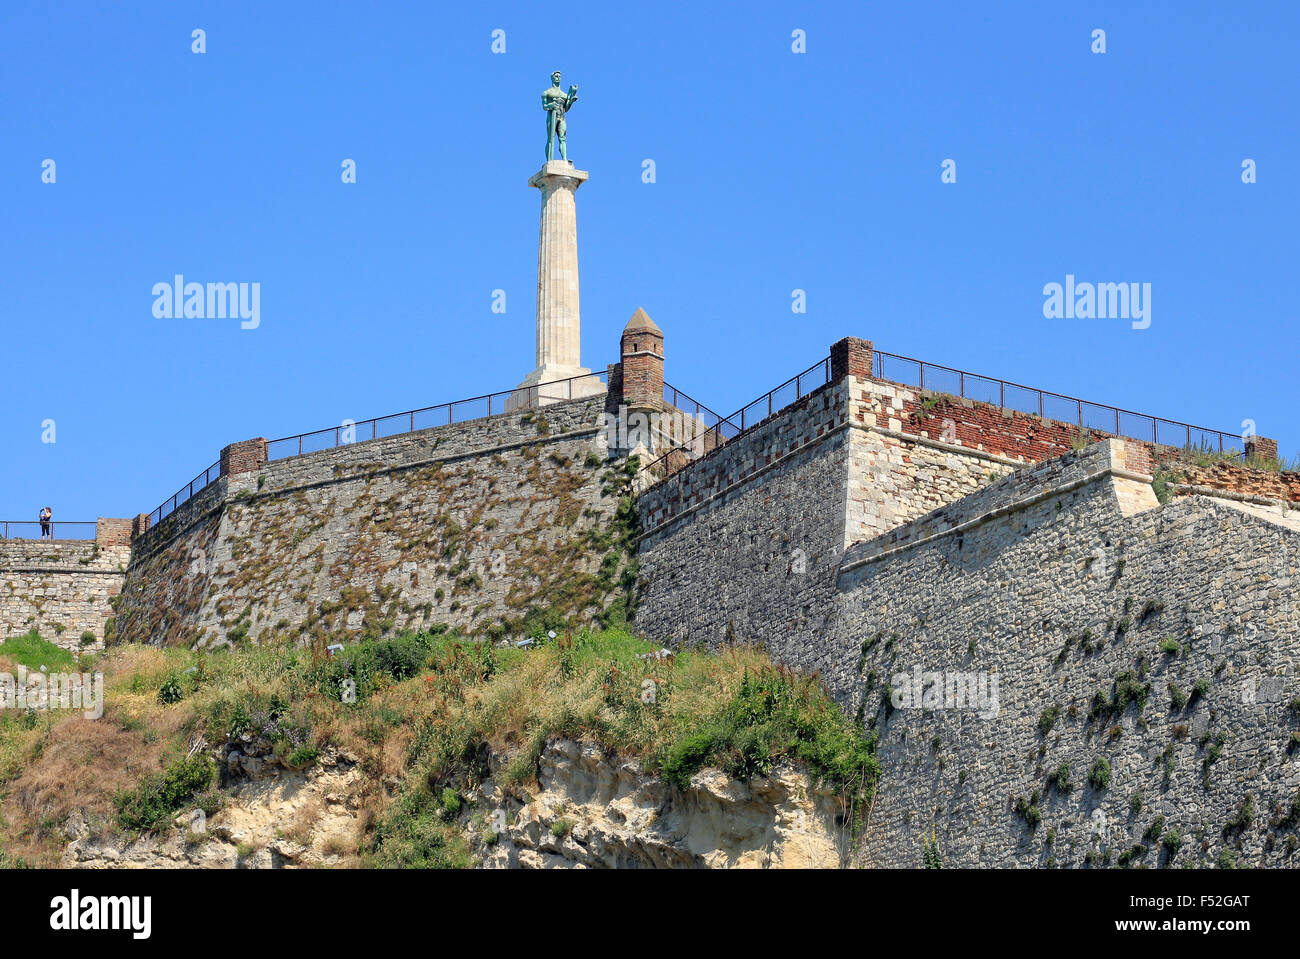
column 554, row 384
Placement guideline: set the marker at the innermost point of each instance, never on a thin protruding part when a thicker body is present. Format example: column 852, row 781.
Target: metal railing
column 444, row 414
column 1085, row 414
column 747, row 417
column 59, row 529
column 196, row 485
column 689, row 406
column 457, row 411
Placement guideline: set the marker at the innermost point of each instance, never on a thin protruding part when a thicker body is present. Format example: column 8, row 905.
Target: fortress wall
column 816, row 477
column 897, row 475
column 741, row 545
column 1056, row 599
column 1024, row 437
column 469, row 524
column 62, row 588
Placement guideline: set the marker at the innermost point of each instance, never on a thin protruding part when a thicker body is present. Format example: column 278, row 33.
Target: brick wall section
column 1016, row 487
column 243, row 457
column 1263, row 447
column 113, row 532
column 851, row 357
column 614, row 388
column 1266, row 484
column 643, row 369
column 1029, row 438
column 732, row 554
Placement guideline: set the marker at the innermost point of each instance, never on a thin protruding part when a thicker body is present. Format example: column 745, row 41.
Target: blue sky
column 775, row 171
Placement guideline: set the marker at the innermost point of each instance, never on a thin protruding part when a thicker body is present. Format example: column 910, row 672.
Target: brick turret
column 642, row 350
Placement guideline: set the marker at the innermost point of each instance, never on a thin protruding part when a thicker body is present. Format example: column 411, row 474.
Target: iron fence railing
column 1098, row 417
column 457, row 411
column 689, row 406
column 59, row 529
column 196, row 485
column 749, row 415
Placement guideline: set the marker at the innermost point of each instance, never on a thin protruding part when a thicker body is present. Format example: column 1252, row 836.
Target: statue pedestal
column 553, row 384
column 558, row 314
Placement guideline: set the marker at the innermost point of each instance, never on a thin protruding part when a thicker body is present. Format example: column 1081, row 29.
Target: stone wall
column 1064, row 595
column 742, row 545
column 779, row 504
column 62, row 588
column 475, row 525
column 1059, row 580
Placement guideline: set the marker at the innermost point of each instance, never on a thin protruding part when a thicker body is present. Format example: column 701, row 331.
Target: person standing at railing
column 47, row 523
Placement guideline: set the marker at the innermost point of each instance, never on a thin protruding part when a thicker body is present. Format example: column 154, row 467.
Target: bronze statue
column 557, row 103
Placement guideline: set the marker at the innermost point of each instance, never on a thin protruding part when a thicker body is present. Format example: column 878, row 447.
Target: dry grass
column 433, row 727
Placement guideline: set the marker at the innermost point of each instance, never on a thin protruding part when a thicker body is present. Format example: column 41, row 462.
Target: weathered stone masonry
column 63, row 588
column 1065, row 591
column 857, row 536
column 473, row 525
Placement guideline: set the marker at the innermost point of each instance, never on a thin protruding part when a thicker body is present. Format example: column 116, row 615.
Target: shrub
column 1172, row 840
column 1099, row 775
column 1170, row 646
column 450, row 801
column 1242, row 819
column 775, row 713
column 1137, row 851
column 1177, row 698
column 1048, row 718
column 1029, row 811
column 932, row 858
column 162, row 795
column 1062, row 778
column 302, row 757
column 170, row 692
column 414, row 835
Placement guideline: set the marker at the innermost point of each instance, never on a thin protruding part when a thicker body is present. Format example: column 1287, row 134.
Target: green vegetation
column 1126, row 690
column 1242, row 819
column 1177, row 698
column 423, row 711
column 933, row 859
column 162, row 795
column 1172, row 841
column 1099, row 775
column 32, row 651
column 1062, row 778
column 1048, row 719
column 1029, row 810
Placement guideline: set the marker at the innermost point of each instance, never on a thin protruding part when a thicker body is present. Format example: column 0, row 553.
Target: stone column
column 558, row 315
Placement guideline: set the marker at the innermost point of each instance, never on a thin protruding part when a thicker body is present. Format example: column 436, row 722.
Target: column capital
column 558, row 173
